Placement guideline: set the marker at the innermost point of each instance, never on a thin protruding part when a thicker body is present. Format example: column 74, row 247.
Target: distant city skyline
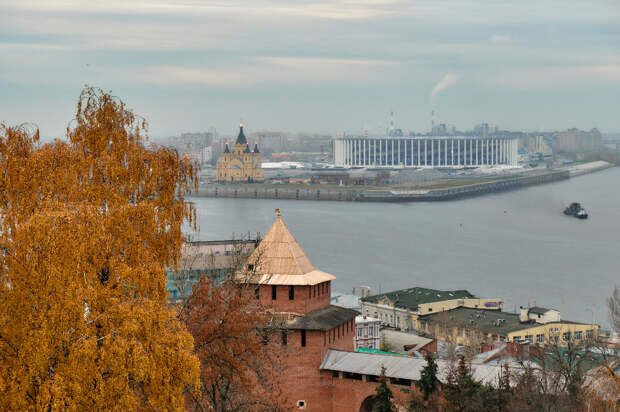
column 324, row 67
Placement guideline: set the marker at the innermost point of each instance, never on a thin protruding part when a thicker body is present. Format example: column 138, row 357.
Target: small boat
column 576, row 210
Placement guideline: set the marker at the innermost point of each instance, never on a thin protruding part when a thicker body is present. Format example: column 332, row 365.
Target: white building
column 367, row 334
column 440, row 151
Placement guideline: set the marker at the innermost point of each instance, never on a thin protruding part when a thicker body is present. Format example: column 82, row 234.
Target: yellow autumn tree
column 87, row 226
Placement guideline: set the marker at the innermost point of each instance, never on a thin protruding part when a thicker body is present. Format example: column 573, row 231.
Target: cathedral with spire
column 240, row 165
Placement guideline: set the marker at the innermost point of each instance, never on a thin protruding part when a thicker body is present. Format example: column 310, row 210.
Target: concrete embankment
column 315, row 192
column 589, row 167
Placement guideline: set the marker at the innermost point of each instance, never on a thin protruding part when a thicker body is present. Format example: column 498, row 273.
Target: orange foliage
column 239, row 365
column 86, row 229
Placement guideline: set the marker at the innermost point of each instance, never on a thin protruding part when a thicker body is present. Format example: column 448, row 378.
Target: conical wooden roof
column 279, row 260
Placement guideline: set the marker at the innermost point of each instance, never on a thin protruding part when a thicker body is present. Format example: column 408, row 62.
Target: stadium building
column 436, row 151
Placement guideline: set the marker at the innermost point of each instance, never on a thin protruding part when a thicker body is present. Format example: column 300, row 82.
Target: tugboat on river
column 576, row 210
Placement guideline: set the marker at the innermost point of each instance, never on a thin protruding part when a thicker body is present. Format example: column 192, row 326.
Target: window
column 257, row 292
column 284, row 338
column 359, row 333
column 309, row 292
column 529, row 338
column 566, row 337
column 540, row 338
column 430, row 309
column 516, row 338
column 303, row 337
column 325, row 339
column 590, row 334
column 459, row 331
column 291, row 293
column 273, row 292
column 578, row 335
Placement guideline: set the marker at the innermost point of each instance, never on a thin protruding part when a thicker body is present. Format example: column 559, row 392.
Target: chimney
column 523, row 315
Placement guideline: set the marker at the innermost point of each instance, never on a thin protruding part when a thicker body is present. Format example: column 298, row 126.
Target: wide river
column 515, row 245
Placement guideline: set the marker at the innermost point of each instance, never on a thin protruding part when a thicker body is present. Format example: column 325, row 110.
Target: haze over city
column 317, row 205
column 338, row 66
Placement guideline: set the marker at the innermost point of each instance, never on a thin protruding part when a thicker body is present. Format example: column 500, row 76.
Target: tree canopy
column 87, row 226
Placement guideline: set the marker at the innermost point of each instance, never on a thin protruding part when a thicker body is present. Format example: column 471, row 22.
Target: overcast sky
column 328, row 66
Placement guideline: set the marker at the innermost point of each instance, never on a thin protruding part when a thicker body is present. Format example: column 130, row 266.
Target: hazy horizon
column 338, row 66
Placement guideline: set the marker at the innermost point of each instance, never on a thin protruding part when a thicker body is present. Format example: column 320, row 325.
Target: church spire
column 241, row 138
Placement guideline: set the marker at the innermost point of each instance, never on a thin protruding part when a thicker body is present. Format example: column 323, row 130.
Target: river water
column 515, row 245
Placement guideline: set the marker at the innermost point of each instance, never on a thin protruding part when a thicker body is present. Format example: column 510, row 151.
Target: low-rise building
column 474, row 327
column 217, row 259
column 400, row 309
column 367, row 334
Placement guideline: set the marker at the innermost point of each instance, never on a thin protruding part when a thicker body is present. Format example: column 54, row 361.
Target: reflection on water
column 515, row 245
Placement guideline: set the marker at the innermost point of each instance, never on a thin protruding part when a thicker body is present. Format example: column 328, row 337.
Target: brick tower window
column 291, row 292
column 274, row 292
column 303, row 337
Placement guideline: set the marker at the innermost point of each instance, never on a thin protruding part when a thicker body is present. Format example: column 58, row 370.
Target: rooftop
column 539, row 310
column 411, row 298
column 488, row 321
column 325, row 318
column 241, row 137
column 279, row 260
column 398, row 340
column 400, row 367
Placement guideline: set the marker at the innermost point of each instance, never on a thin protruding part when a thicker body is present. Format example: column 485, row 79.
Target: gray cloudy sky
column 328, row 66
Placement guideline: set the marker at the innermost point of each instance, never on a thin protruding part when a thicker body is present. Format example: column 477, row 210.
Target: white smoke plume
column 447, row 81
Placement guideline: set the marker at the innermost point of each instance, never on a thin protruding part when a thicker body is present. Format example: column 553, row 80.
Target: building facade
column 216, row 259
column 241, row 165
column 537, row 326
column 401, row 308
column 367, row 332
column 441, row 151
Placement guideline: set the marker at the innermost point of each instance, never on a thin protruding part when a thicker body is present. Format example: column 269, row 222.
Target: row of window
column 370, row 378
column 369, row 331
column 540, row 338
column 328, row 337
column 388, row 318
column 320, row 289
column 554, row 333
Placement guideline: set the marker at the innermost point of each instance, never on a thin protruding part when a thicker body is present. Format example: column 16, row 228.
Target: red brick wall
column 301, row 377
column 348, row 394
column 306, row 298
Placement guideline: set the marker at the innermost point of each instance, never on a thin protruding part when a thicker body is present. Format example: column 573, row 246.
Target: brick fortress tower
column 292, row 289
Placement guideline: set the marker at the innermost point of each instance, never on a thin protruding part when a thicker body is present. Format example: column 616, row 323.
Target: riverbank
column 449, row 189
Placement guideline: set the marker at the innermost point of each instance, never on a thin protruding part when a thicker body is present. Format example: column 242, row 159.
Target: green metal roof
column 412, row 297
